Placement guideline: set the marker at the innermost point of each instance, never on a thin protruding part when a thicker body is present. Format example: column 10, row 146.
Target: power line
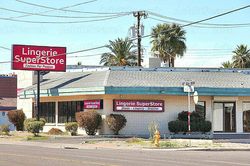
column 62, row 22
column 57, row 16
column 5, row 48
column 47, row 11
column 187, row 21
column 197, row 26
column 73, row 11
column 196, row 22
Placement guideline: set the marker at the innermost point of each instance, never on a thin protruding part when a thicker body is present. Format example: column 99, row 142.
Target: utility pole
column 139, row 15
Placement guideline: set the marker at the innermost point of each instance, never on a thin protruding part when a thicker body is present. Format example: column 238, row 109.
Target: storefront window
column 246, row 117
column 67, row 110
column 200, row 107
column 47, row 111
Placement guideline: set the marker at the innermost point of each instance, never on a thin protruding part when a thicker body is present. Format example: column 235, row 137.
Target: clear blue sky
column 80, row 36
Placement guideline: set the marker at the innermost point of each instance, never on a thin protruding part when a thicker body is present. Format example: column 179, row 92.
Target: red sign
column 139, row 105
column 92, row 104
column 28, row 57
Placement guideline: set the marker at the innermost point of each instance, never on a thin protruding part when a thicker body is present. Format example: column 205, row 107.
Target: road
column 19, row 155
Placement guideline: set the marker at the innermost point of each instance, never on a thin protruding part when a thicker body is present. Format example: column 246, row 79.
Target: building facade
column 144, row 95
column 8, row 98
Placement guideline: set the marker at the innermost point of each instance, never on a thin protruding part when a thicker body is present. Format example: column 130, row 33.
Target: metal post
column 189, row 112
column 38, row 97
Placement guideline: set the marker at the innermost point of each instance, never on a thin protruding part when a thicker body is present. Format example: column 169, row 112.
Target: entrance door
column 224, row 117
column 229, row 117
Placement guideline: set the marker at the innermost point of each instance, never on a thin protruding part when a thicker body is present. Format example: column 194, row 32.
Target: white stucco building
column 224, row 97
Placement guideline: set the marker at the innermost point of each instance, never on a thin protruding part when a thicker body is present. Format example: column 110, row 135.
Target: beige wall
column 137, row 122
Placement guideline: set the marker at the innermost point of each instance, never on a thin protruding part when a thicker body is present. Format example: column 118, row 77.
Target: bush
column 35, row 127
column 194, row 116
column 182, row 116
column 17, row 117
column 32, row 120
column 205, row 126
column 55, row 131
column 4, row 129
column 116, row 122
column 89, row 120
column 71, row 127
column 177, row 126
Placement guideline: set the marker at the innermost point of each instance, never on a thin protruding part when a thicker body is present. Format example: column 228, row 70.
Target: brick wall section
column 8, row 87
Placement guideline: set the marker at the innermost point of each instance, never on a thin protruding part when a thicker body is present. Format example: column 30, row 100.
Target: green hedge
column 194, row 116
column 196, row 126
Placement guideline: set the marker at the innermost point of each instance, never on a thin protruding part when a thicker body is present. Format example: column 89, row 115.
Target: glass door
column 229, row 117
column 224, row 117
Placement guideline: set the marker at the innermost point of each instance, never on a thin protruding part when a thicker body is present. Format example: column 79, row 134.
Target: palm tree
column 169, row 41
column 241, row 57
column 120, row 55
column 227, row 64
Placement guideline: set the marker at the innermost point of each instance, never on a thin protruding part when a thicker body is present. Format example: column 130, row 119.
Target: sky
column 207, row 46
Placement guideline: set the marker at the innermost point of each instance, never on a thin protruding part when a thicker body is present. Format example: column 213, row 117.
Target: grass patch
column 37, row 138
column 169, row 144
column 134, row 140
column 90, row 142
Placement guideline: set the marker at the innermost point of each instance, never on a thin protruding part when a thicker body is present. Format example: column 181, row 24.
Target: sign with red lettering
column 139, row 105
column 92, row 104
column 46, row 58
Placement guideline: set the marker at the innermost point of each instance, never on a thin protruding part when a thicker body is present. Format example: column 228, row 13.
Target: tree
column 241, row 57
column 17, row 117
column 168, row 40
column 120, row 55
column 227, row 64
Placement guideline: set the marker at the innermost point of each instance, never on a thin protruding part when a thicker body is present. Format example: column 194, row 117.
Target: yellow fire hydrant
column 157, row 137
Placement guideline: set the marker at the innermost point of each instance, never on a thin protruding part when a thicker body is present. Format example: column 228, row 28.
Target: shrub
column 17, row 117
column 152, row 127
column 4, row 129
column 116, row 122
column 183, row 116
column 194, row 116
column 35, row 127
column 71, row 127
column 55, row 131
column 205, row 126
column 177, row 126
column 32, row 120
column 89, row 120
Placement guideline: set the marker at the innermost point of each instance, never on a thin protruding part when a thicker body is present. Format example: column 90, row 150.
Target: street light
column 189, row 87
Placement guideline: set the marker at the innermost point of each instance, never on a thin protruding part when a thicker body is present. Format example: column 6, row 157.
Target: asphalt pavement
column 21, row 155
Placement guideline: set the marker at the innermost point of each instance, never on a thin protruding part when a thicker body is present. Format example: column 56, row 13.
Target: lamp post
column 189, row 88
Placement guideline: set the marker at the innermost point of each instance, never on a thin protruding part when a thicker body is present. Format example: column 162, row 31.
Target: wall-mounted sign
column 139, row 105
column 28, row 57
column 93, row 104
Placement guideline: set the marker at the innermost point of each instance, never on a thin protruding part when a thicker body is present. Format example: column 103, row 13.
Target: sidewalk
column 120, row 143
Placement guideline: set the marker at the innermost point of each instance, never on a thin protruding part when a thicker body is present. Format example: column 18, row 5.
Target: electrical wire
column 47, row 11
column 150, row 35
column 197, row 26
column 65, row 10
column 62, row 22
column 5, row 48
column 186, row 21
column 57, row 16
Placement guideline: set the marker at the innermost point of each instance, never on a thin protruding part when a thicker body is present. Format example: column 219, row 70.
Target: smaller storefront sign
column 139, row 105
column 93, row 104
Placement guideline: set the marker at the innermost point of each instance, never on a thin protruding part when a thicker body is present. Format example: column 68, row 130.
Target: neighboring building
column 8, row 97
column 144, row 95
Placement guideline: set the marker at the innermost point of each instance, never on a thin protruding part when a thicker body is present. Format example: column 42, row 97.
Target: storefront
column 143, row 96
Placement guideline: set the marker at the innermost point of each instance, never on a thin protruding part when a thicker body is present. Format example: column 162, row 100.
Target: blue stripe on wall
column 203, row 91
